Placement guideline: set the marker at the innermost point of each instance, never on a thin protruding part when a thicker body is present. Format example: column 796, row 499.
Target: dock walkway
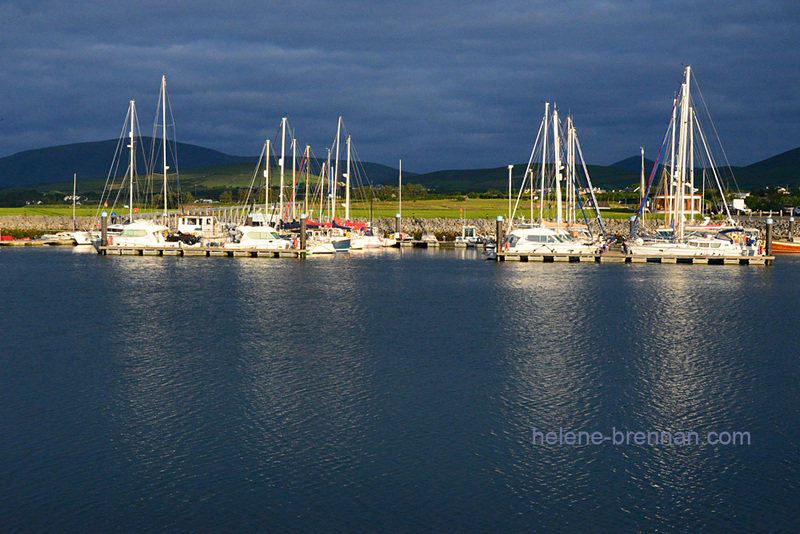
column 616, row 257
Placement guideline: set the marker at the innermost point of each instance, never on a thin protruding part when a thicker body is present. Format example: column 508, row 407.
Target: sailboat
column 134, row 232
column 562, row 235
column 678, row 201
column 80, row 237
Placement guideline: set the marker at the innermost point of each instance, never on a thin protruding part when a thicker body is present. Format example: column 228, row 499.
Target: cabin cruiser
column 544, row 240
column 141, row 233
column 368, row 239
column 258, row 237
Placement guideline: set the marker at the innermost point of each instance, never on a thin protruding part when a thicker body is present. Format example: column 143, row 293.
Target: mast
column 164, row 136
column 347, row 184
column 331, row 196
column 266, row 185
column 336, row 172
column 641, row 178
column 131, row 161
column 669, row 184
column 557, row 153
column 570, row 171
column 691, row 162
column 283, row 147
column 74, row 187
column 682, row 155
column 308, row 165
column 322, row 190
column 294, row 178
column 544, row 160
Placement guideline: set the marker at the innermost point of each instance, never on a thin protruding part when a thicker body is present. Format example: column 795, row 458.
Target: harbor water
column 395, row 390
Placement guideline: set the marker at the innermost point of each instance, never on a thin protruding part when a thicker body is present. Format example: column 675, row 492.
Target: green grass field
column 478, row 208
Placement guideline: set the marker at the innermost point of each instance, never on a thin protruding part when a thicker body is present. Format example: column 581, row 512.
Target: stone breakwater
column 44, row 223
column 443, row 229
column 447, row 229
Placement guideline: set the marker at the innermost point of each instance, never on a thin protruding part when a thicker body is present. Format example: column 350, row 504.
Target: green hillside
column 206, row 173
column 481, row 180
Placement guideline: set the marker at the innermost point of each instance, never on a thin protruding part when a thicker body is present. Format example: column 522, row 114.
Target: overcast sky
column 442, row 85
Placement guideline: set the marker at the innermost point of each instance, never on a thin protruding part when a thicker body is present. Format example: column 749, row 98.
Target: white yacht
column 139, row 233
column 257, row 234
column 544, row 240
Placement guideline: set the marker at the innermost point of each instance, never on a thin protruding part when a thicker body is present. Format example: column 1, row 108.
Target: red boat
column 786, row 247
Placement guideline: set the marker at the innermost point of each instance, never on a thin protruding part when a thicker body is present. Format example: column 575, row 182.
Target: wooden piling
column 499, row 233
column 303, row 236
column 104, row 229
column 769, row 237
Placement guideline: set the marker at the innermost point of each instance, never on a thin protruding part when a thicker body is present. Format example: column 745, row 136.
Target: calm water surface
column 392, row 391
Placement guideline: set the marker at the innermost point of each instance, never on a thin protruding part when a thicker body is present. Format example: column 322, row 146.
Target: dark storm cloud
column 440, row 85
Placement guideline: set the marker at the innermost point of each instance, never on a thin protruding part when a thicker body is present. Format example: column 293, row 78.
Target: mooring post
column 631, row 223
column 791, row 229
column 769, row 237
column 397, row 225
column 303, row 236
column 499, row 234
column 104, row 229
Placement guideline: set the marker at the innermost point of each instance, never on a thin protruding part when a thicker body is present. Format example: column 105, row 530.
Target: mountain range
column 91, row 161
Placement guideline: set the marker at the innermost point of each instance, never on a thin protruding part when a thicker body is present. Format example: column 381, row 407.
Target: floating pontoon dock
column 616, row 257
column 155, row 250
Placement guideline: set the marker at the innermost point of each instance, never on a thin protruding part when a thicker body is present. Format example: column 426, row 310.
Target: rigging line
column 112, row 171
column 714, row 128
column 528, row 171
column 591, row 190
column 716, row 176
column 652, row 174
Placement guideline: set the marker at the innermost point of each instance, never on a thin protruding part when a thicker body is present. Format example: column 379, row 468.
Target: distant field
column 54, row 211
column 478, row 208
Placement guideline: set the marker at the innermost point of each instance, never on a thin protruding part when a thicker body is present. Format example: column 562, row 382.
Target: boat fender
column 506, row 246
column 296, row 243
column 760, row 249
column 110, row 240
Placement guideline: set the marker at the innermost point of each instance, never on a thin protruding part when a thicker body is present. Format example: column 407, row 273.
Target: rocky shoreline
column 444, row 229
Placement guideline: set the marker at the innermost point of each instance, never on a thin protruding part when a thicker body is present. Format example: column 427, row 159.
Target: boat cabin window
column 134, row 233
column 263, row 235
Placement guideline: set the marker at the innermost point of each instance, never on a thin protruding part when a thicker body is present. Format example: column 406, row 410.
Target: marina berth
column 679, row 202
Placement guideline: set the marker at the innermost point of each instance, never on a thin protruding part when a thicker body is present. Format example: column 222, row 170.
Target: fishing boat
column 679, row 201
